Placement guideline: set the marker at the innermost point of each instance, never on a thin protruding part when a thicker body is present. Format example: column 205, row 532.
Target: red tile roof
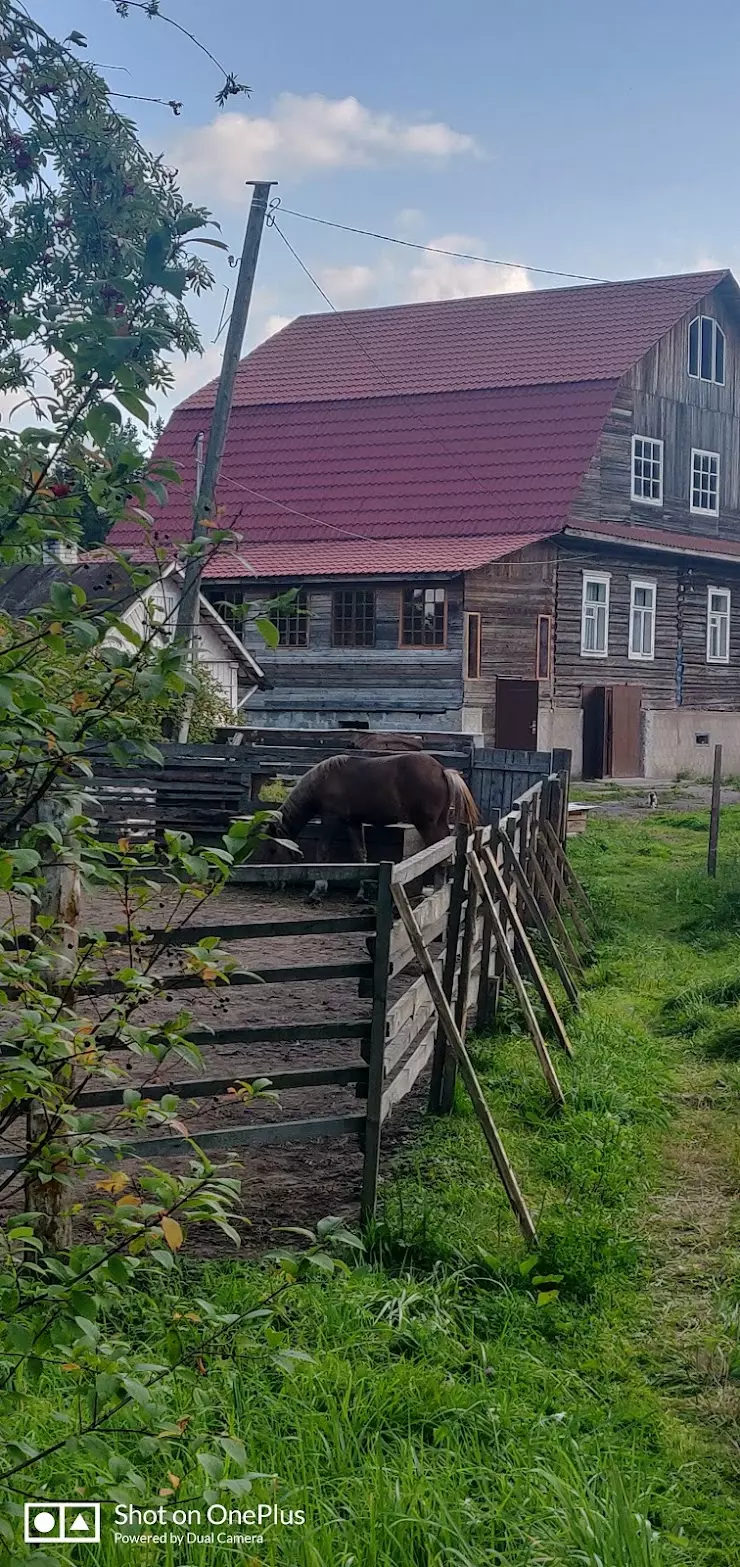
column 473, row 464
column 388, row 558
column 471, row 420
column 456, row 345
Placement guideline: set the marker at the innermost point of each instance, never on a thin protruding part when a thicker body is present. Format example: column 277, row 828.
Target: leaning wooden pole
column 467, row 1070
column 512, row 971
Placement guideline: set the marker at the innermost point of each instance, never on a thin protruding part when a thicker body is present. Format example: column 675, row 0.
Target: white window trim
column 702, row 511
column 646, row 500
column 712, row 380
column 712, row 657
column 595, row 576
column 642, row 582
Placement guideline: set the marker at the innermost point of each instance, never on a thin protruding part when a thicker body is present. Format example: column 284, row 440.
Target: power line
column 438, row 250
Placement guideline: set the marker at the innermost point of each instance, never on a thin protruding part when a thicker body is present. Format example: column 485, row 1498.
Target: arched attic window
column 707, row 350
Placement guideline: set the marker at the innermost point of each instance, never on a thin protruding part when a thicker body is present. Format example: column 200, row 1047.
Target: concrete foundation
column 682, row 740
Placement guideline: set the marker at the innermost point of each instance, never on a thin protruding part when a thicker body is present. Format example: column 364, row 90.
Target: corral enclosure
column 332, row 1006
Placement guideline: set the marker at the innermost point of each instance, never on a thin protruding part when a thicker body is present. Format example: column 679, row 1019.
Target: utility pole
column 188, row 615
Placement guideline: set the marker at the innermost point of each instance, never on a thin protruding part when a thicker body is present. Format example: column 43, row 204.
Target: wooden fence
column 451, row 925
column 201, row 788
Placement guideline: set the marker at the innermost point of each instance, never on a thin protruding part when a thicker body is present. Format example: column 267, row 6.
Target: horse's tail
column 462, row 805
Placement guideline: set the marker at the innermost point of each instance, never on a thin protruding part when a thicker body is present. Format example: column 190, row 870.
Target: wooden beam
column 254, row 930
column 467, row 1070
column 404, row 1080
column 226, row 1137
column 543, row 1054
column 529, row 953
column 357, row 969
column 554, row 912
column 376, row 1061
column 418, row 864
column 714, row 812
column 561, row 886
column 538, row 919
column 210, row 1088
column 567, row 869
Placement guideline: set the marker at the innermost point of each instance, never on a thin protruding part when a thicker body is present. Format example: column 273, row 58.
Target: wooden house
column 517, row 516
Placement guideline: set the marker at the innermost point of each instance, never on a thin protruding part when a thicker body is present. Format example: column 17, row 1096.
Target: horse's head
column 273, row 847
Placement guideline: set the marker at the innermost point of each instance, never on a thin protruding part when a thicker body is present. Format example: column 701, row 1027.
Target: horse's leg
column 326, row 833
column 356, row 830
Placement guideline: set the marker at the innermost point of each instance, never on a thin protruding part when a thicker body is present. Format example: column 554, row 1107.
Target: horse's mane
column 300, row 805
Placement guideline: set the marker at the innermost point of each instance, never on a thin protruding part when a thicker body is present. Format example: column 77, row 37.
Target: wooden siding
column 385, row 678
column 679, row 674
column 509, row 596
column 659, row 399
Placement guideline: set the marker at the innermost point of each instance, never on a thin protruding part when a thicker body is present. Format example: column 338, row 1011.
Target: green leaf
column 101, row 420
column 133, row 404
column 234, row 1449
column 268, row 631
column 212, row 1465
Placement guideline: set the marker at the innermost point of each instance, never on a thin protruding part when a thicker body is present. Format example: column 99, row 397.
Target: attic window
column 707, row 350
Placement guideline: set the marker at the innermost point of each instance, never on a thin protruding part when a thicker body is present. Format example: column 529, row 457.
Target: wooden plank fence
column 201, row 788
column 453, row 924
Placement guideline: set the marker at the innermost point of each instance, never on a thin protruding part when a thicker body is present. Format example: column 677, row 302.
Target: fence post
column 486, row 1006
column 376, row 1062
column 452, row 938
column 449, row 1073
column 562, row 762
column 714, row 813
column 59, row 899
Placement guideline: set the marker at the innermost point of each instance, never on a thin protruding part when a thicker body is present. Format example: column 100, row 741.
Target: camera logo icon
column 64, row 1523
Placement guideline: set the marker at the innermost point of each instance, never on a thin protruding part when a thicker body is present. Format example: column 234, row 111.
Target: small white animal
column 653, row 800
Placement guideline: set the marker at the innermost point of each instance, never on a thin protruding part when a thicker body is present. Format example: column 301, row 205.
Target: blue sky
column 595, row 139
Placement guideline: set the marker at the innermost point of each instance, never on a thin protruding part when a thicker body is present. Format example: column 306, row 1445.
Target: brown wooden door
column 517, row 702
column 623, row 731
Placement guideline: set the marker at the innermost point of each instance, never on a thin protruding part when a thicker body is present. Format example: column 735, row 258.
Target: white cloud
column 273, row 324
column 349, row 285
column 189, row 375
column 301, row 135
column 444, row 277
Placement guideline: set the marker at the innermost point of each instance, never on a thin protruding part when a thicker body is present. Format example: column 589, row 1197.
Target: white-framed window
column 718, row 625
column 642, row 618
column 595, row 614
column 707, row 350
column 705, row 482
column 647, row 470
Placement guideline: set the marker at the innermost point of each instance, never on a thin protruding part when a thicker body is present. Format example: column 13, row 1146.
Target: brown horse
column 407, row 786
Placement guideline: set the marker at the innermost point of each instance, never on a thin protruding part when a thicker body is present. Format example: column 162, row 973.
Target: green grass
column 462, row 1406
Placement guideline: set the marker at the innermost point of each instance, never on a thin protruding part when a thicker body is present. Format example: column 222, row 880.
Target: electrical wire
column 438, row 250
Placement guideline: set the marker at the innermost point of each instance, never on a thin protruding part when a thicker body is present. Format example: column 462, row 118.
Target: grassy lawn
column 460, row 1405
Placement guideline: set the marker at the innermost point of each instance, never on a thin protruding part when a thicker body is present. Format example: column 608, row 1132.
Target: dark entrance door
column 516, row 715
column 611, row 731
column 594, row 732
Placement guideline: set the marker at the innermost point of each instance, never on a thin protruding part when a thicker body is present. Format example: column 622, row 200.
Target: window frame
column 647, row 500
column 423, row 587
column 703, row 511
column 714, row 658
column 546, row 673
column 717, row 332
column 604, row 577
column 300, row 609
column 353, row 593
column 642, row 582
column 473, row 615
